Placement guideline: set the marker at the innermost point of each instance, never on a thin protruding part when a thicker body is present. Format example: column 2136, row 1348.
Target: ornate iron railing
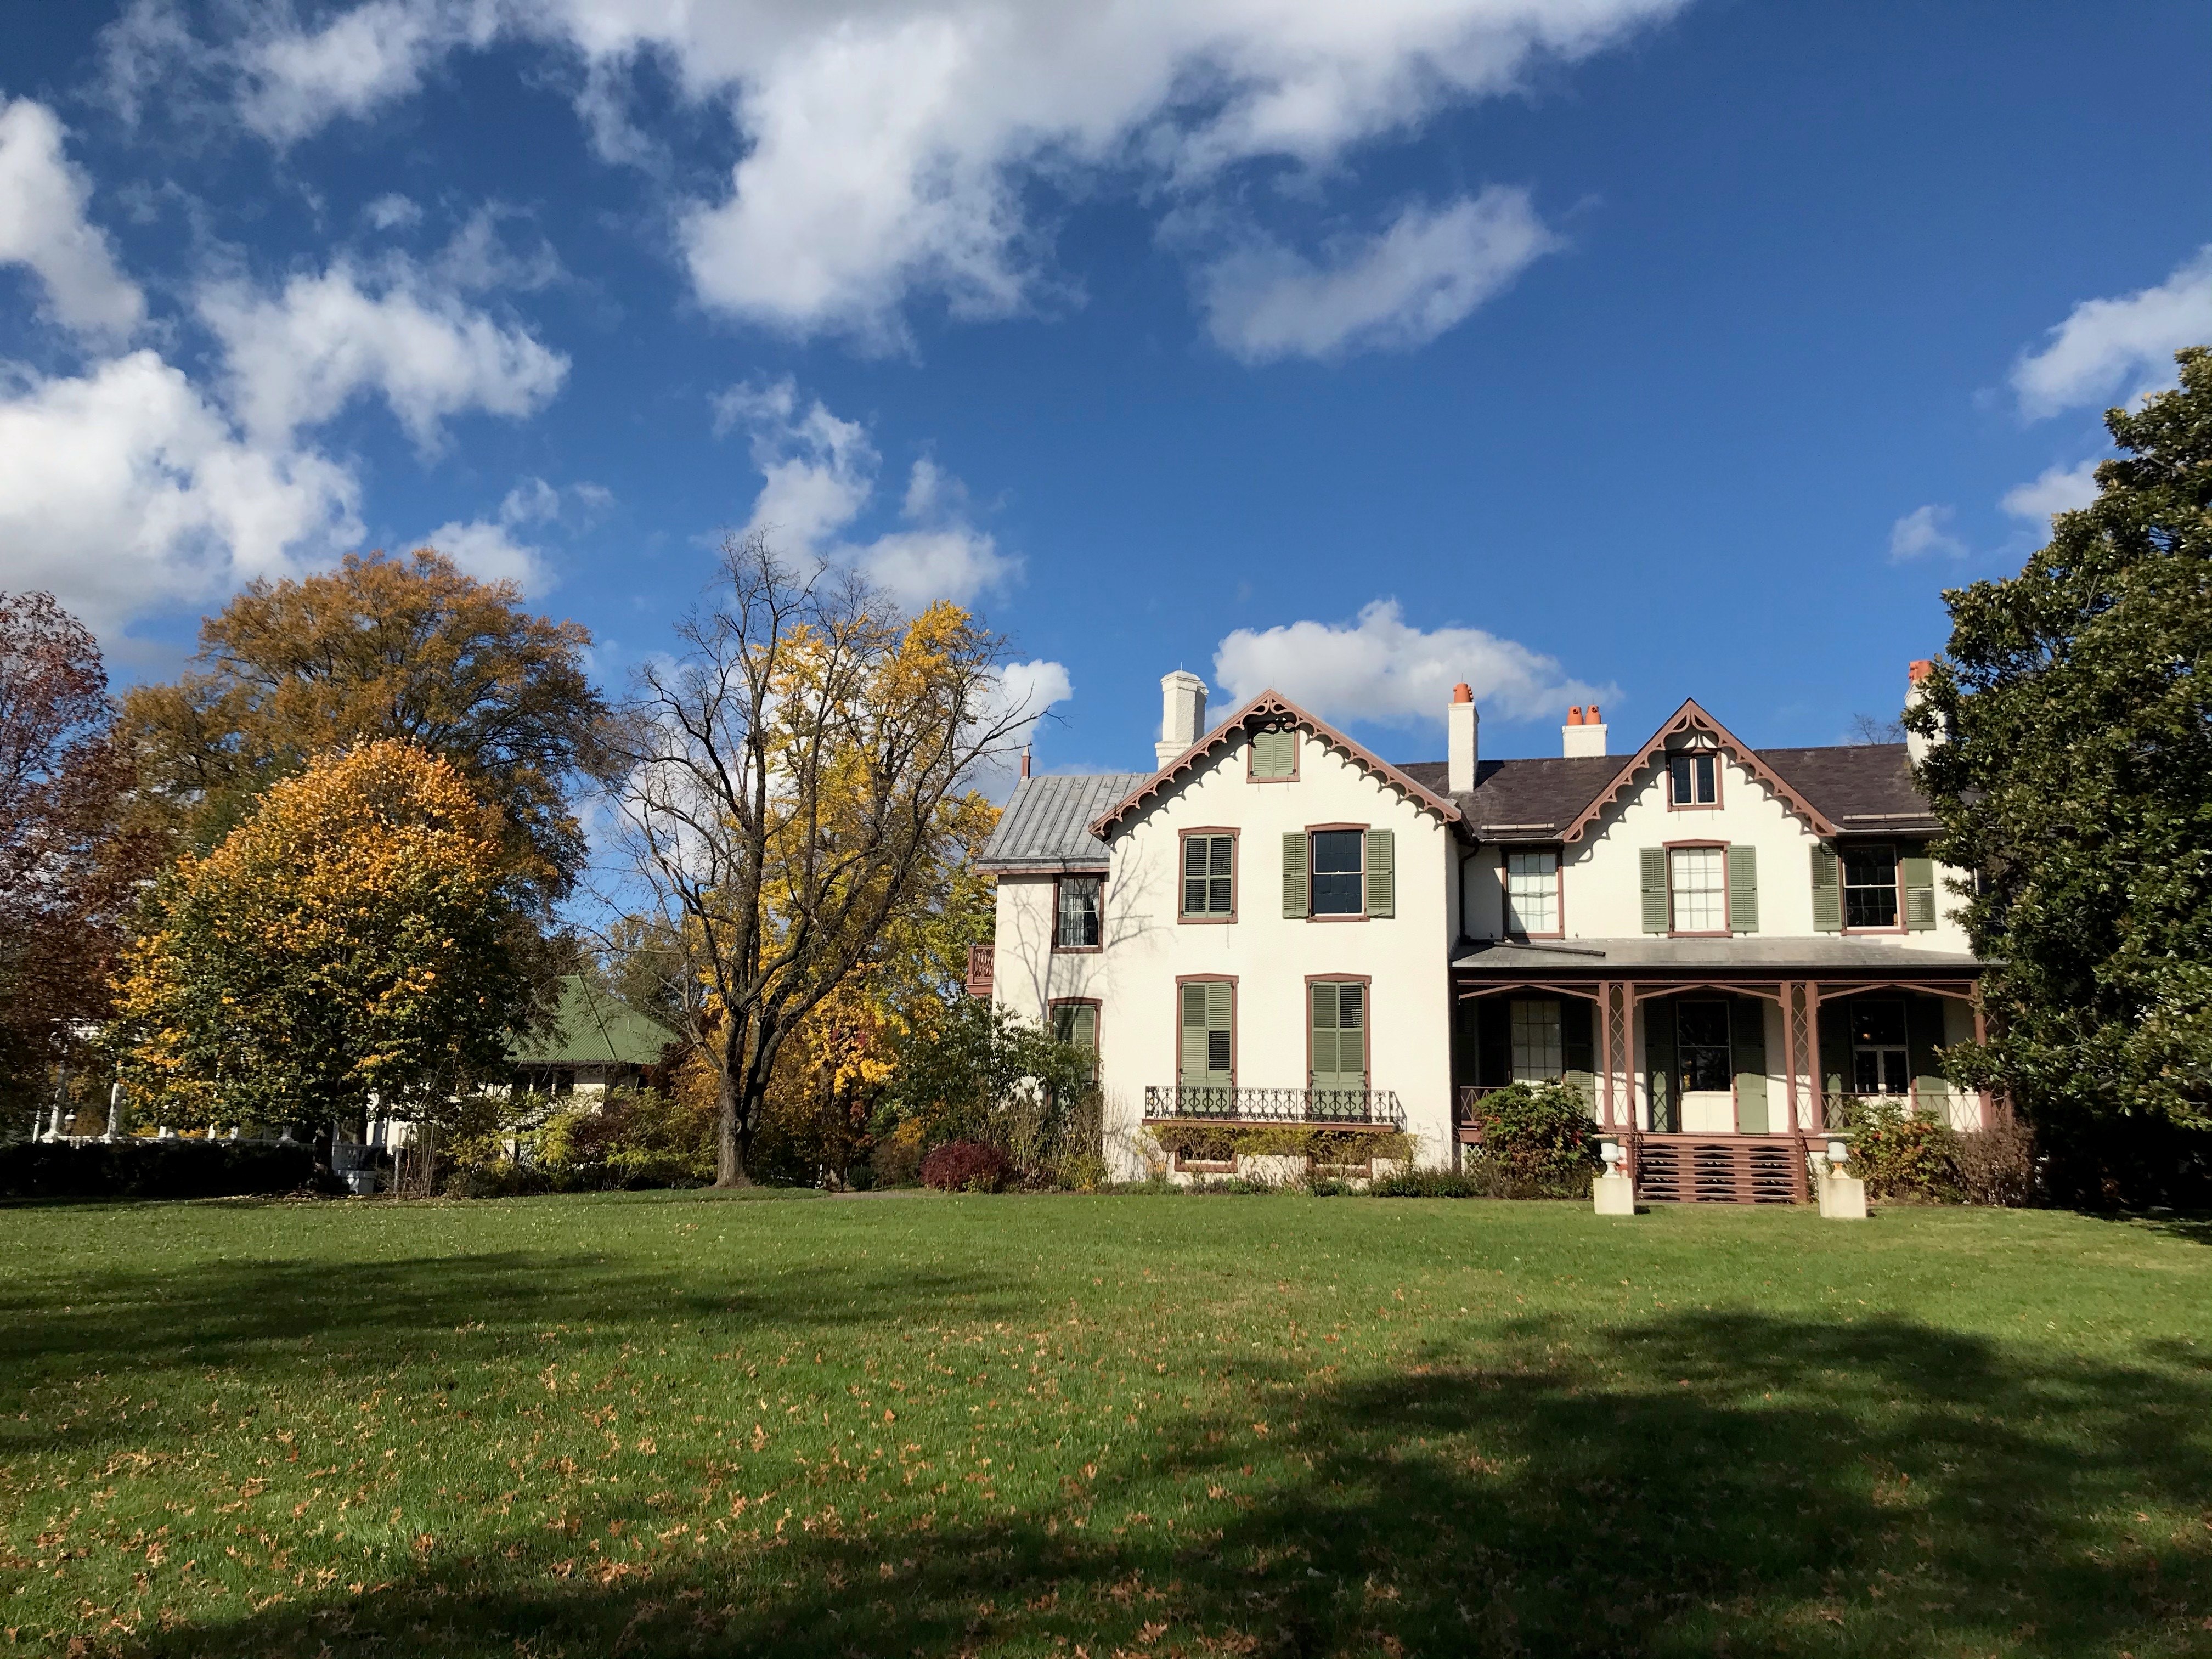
column 1206, row 1101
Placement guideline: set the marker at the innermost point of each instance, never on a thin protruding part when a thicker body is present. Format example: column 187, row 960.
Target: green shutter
column 1576, row 1017
column 1659, row 1066
column 1381, row 872
column 1923, row 1034
column 1743, row 889
column 1326, row 1051
column 1194, row 1033
column 1655, row 890
column 1275, row 754
column 1294, row 873
column 1748, row 1039
column 1919, row 894
column 1827, row 891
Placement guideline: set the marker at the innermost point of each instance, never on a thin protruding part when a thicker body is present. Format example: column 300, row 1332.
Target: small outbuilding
column 596, row 1043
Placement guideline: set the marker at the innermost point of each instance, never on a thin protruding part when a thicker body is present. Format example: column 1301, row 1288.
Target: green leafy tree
column 2077, row 778
column 350, row 939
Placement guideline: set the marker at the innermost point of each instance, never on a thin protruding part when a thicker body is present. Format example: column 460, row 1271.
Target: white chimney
column 1580, row 736
column 1462, row 727
column 1183, row 715
column 1916, row 746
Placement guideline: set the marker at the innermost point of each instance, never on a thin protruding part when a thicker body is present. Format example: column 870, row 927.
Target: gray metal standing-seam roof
column 1047, row 825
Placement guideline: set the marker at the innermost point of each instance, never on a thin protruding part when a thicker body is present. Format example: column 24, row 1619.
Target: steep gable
column 1688, row 719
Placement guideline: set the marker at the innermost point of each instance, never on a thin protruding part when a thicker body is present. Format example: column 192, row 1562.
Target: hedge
column 153, row 1169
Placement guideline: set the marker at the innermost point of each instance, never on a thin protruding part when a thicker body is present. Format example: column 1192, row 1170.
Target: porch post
column 1816, row 1082
column 1981, row 1035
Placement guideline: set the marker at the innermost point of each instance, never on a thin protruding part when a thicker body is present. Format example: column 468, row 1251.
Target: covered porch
column 1717, row 1064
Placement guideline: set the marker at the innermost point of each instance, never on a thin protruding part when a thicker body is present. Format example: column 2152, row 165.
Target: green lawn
column 669, row 1423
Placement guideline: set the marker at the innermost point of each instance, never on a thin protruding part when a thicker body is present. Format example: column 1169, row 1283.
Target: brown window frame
column 1720, row 772
column 1366, row 982
column 1060, row 949
column 1235, row 1016
column 1097, row 1029
column 1844, row 889
column 1673, row 932
column 1505, row 929
column 1235, row 873
column 1251, row 750
column 1313, row 830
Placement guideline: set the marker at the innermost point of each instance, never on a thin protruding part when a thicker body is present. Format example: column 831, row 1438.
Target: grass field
column 671, row 1423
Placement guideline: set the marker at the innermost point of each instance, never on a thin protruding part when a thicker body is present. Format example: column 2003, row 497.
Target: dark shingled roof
column 1045, row 827
column 1859, row 785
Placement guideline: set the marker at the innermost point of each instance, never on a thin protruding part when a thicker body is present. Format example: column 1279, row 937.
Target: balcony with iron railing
column 1208, row 1102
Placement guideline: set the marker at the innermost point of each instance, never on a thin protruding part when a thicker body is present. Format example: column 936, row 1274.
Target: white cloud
column 43, row 226
column 392, row 211
column 1030, row 690
column 297, row 82
column 1400, row 289
column 489, row 550
column 2058, row 489
column 124, row 490
column 887, row 144
column 1921, row 532
column 819, row 475
column 1381, row 670
column 2105, row 345
column 296, row 359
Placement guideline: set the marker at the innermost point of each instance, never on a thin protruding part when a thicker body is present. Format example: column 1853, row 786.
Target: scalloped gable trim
column 1270, row 706
column 1691, row 718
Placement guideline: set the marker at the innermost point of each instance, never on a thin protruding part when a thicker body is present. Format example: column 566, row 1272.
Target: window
column 1077, row 1022
column 1701, row 1036
column 1338, row 1034
column 1697, row 882
column 1076, row 929
column 1209, row 884
column 1274, row 756
column 1338, row 873
column 1880, row 1062
column 1537, row 1050
column 1870, row 886
column 1693, row 781
column 1207, row 1017
column 1531, row 892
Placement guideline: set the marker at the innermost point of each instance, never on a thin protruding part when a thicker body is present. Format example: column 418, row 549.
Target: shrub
column 1537, row 1142
column 896, row 1160
column 1901, row 1154
column 1997, row 1165
column 154, row 1168
column 965, row 1166
column 1218, row 1143
column 1431, row 1183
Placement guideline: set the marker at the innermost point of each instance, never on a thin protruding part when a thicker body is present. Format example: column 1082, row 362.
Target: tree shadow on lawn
column 1691, row 1483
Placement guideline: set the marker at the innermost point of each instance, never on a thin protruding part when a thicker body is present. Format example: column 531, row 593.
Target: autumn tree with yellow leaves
column 352, row 937
column 802, row 776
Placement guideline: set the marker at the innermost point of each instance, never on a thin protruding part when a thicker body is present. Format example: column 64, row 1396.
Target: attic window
column 1693, row 781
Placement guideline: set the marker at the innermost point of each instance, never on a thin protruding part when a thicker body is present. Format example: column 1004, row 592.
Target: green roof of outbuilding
column 592, row 1029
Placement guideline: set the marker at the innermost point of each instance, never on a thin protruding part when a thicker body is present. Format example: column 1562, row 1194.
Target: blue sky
column 1610, row 348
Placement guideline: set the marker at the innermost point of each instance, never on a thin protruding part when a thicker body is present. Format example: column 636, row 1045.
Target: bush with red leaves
column 965, row 1166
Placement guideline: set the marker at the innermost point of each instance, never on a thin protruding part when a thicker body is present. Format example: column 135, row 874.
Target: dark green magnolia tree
column 2077, row 779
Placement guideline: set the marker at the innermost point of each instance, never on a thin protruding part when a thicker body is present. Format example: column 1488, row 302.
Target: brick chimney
column 1183, row 715
column 1463, row 729
column 1582, row 734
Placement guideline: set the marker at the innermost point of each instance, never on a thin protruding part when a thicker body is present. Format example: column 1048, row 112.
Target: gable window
column 1077, row 926
column 1207, row 1020
column 1869, row 886
column 1209, row 877
column 1539, row 1052
column 1275, row 756
column 1697, row 880
column 1336, row 1034
column 1077, row 1023
column 1880, row 1060
column 1693, row 781
column 1531, row 892
column 1339, row 868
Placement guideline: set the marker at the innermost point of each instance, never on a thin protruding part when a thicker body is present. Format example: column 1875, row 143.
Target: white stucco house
column 1726, row 949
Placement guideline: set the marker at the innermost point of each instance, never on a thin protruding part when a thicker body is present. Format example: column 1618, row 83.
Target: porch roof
column 1840, row 957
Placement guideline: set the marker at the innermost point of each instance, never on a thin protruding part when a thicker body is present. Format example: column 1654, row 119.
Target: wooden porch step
column 1719, row 1169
